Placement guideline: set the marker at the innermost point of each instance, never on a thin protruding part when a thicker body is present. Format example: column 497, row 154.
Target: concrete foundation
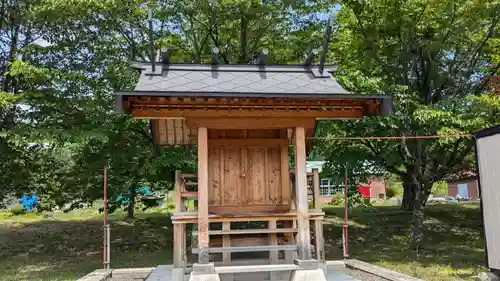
column 308, row 275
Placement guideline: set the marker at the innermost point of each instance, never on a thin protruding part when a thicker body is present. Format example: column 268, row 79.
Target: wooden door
column 248, row 178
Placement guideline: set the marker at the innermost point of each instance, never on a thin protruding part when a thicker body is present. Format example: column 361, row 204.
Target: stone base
column 204, row 272
column 204, row 277
column 308, row 275
column 178, row 274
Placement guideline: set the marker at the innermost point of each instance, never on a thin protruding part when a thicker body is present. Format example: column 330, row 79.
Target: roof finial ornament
column 165, row 58
column 326, row 41
column 215, row 56
column 310, row 57
column 263, row 57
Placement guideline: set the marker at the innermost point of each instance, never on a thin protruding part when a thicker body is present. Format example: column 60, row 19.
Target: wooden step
column 252, row 231
column 255, row 268
column 248, row 249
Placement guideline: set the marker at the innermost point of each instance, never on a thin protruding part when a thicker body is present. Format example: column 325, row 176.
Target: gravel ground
column 359, row 275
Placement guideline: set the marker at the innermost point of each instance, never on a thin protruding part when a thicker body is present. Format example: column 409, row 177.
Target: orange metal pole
column 345, row 226
column 105, row 220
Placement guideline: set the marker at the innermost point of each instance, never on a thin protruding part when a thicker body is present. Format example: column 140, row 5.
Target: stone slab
column 96, row 275
column 307, row 264
column 161, row 273
column 333, row 274
column 379, row 271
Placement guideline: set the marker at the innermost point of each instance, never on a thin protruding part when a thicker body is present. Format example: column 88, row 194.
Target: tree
column 429, row 56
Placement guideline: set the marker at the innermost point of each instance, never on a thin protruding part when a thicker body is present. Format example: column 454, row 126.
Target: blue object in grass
column 29, row 202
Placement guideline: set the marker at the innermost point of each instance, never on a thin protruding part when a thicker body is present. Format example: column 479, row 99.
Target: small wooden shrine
column 244, row 119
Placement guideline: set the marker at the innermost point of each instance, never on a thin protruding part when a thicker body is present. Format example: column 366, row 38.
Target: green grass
column 453, row 247
column 67, row 246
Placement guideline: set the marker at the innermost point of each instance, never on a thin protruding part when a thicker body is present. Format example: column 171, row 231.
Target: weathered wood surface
column 179, row 188
column 303, row 236
column 252, row 231
column 247, row 175
column 203, row 238
column 226, row 242
column 316, row 188
column 249, row 249
column 192, row 217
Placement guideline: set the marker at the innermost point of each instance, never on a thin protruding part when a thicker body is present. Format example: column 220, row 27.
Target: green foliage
column 17, row 210
column 171, row 206
column 393, row 192
column 440, row 188
column 337, row 199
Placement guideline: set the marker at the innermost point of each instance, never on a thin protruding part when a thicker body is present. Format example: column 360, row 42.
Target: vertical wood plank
column 232, row 176
column 290, row 239
column 266, row 182
column 203, row 238
column 285, row 176
column 256, row 175
column 226, row 242
column 178, row 245
column 170, row 131
column 178, row 131
column 179, row 203
column 320, row 244
column 273, row 241
column 274, row 172
column 316, row 188
column 303, row 235
column 273, row 255
column 222, row 168
column 214, row 176
column 185, row 132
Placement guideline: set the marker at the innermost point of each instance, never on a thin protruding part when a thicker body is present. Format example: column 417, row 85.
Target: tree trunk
column 421, row 193
column 408, row 202
column 131, row 204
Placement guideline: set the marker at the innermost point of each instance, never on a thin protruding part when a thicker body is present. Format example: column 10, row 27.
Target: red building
column 374, row 189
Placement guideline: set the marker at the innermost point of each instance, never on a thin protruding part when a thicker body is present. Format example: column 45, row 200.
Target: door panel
column 248, row 176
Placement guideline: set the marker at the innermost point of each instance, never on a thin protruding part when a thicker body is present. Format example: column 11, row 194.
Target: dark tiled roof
column 268, row 79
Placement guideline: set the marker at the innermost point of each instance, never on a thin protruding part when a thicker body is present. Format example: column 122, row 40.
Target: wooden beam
column 178, row 244
column 251, row 123
column 273, row 241
column 346, row 113
column 203, row 237
column 285, row 176
column 247, row 142
column 179, row 202
column 252, row 231
column 304, row 235
column 316, row 188
column 191, row 195
column 226, row 242
column 319, row 240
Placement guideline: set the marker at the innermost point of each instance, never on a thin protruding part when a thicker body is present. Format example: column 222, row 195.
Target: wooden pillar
column 303, row 235
column 316, row 188
column 179, row 203
column 226, row 243
column 179, row 236
column 179, row 229
column 320, row 242
column 203, row 239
